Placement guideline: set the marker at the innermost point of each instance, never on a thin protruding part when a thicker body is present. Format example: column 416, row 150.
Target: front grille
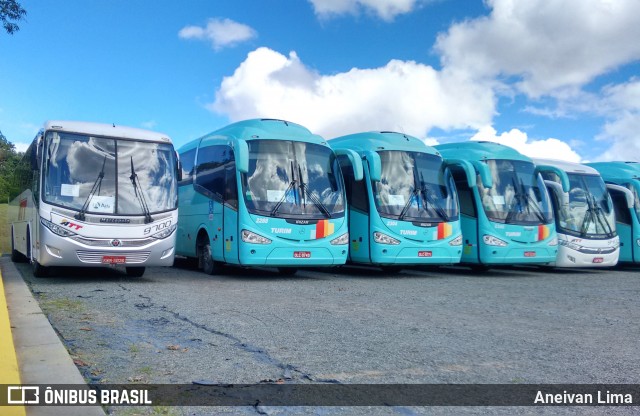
column 606, row 250
column 94, row 242
column 95, row 257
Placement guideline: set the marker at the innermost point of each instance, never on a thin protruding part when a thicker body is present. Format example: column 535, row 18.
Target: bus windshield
column 518, row 194
column 105, row 175
column 414, row 186
column 295, row 179
column 590, row 210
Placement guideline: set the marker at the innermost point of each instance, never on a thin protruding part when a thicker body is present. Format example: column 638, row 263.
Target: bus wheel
column 38, row 269
column 391, row 269
column 287, row 271
column 135, row 271
column 205, row 259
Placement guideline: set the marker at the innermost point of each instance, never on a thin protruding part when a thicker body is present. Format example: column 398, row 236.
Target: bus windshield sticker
column 67, row 189
column 102, row 204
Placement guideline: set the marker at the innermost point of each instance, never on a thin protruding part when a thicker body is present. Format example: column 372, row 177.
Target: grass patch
column 134, row 348
column 64, row 304
column 5, row 243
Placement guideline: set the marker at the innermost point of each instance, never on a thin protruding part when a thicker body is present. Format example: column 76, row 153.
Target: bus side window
column 356, row 190
column 465, row 194
column 187, row 160
column 210, row 170
column 620, row 207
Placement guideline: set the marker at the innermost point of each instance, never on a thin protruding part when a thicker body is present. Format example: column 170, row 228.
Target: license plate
column 425, row 253
column 529, row 253
column 114, row 259
column 301, row 254
column 598, row 259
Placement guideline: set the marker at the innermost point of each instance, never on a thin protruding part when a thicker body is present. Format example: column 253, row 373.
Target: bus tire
column 135, row 271
column 205, row 259
column 38, row 269
column 287, row 271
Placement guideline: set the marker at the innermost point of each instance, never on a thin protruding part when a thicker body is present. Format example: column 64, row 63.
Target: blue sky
column 550, row 78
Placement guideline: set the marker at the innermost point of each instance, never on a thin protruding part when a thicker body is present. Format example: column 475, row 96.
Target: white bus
column 93, row 194
column 585, row 217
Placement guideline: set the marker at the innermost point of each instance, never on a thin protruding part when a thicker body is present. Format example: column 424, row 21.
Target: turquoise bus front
column 506, row 215
column 262, row 193
column 405, row 211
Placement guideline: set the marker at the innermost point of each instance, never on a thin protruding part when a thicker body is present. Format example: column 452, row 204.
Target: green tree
column 11, row 11
column 9, row 159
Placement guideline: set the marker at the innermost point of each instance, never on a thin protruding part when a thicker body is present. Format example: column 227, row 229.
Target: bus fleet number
column 157, row 227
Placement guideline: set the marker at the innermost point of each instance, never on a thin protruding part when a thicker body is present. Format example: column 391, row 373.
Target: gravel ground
column 348, row 325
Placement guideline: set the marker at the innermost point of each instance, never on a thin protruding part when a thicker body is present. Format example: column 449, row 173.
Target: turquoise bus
column 262, row 192
column 506, row 216
column 405, row 212
column 623, row 183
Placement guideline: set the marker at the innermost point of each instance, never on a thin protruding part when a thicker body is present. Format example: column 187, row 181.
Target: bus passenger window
column 356, row 190
column 210, row 170
column 620, row 207
column 187, row 160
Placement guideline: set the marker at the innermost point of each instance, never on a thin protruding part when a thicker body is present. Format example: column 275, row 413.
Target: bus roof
column 108, row 130
column 479, row 150
column 568, row 167
column 259, row 129
column 381, row 140
column 617, row 172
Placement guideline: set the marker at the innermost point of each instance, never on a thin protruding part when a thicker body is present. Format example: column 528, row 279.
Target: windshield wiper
column 524, row 202
column 406, row 207
column 429, row 199
column 594, row 213
column 95, row 188
column 284, row 196
column 139, row 194
column 316, row 201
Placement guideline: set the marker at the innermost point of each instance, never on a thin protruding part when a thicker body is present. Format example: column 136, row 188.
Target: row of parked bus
column 270, row 193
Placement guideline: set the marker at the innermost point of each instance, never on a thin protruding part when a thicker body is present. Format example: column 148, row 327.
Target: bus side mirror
column 564, row 179
column 627, row 193
column 485, row 173
column 241, row 149
column 375, row 165
column 466, row 166
column 355, row 161
column 178, row 170
column 556, row 188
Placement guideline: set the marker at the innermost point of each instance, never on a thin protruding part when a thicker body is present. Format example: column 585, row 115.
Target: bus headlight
column 343, row 239
column 456, row 241
column 384, row 239
column 571, row 245
column 56, row 229
column 253, row 238
column 165, row 233
column 553, row 242
column 493, row 241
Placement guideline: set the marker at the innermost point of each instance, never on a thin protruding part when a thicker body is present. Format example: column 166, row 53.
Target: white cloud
column 403, row 96
column 21, row 147
column 546, row 148
column 220, row 32
column 550, row 47
column 385, row 9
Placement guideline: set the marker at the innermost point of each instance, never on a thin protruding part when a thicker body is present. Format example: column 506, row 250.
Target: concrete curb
column 42, row 357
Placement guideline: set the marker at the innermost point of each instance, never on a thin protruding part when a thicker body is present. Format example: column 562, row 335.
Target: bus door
column 230, row 215
column 359, row 210
column 624, row 221
column 468, row 217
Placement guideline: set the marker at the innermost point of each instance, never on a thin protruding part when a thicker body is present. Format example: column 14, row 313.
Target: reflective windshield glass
column 518, row 195
column 77, row 164
column 288, row 178
column 589, row 211
column 415, row 186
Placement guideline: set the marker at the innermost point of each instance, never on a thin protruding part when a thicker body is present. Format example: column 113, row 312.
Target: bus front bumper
column 255, row 255
column 65, row 251
column 573, row 258
column 542, row 255
column 392, row 255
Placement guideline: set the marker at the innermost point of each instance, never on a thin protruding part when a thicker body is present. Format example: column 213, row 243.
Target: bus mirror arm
column 557, row 189
column 355, row 161
column 375, row 165
column 564, row 179
column 241, row 149
column 466, row 166
column 627, row 193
